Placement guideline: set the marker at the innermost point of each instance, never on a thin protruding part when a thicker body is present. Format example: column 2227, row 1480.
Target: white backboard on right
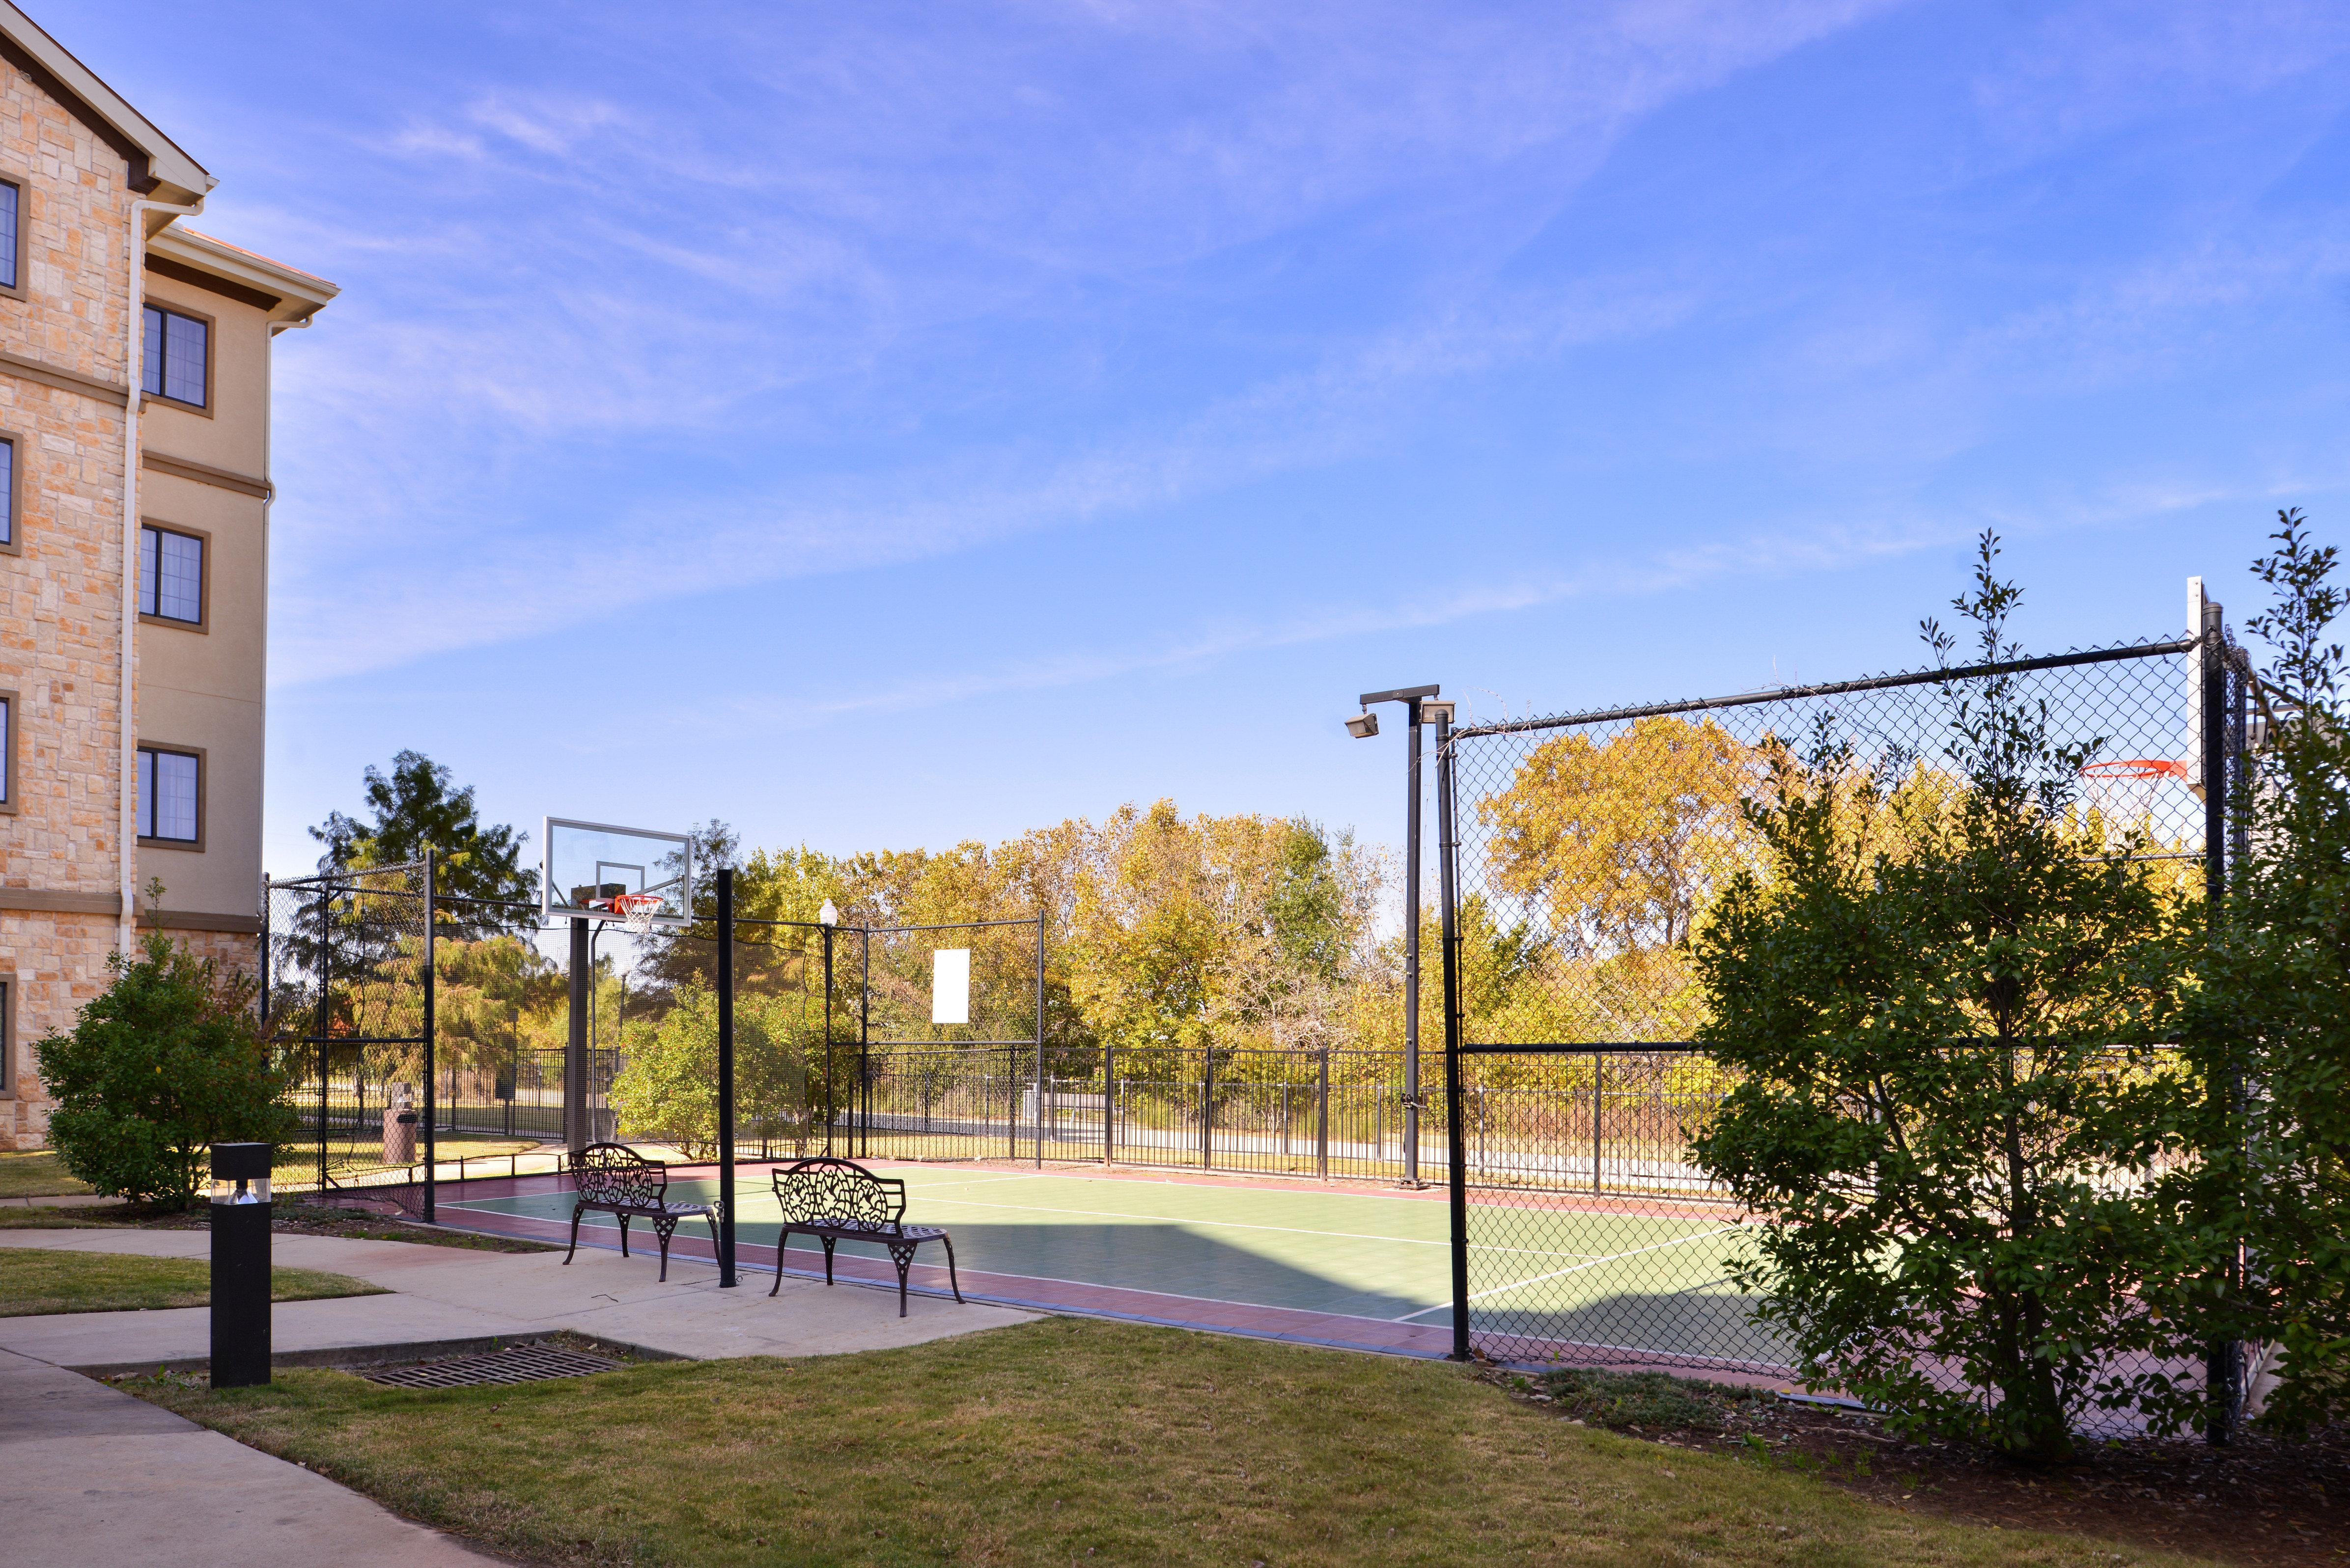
column 951, row 985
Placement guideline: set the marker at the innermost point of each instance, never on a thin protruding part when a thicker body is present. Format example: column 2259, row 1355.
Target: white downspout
column 135, row 337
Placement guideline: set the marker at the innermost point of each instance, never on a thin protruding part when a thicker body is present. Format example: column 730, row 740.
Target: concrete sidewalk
column 90, row 1474
column 451, row 1293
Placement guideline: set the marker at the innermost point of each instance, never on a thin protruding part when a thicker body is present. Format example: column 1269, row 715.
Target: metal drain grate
column 518, row 1364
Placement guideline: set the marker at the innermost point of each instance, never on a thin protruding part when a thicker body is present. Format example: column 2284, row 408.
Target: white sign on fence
column 951, row 985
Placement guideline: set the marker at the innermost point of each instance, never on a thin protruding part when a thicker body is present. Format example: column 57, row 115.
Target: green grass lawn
column 36, row 1280
column 35, row 1173
column 1065, row 1440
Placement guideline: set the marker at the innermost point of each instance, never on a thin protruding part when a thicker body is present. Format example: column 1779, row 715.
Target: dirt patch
column 292, row 1218
column 2260, row 1501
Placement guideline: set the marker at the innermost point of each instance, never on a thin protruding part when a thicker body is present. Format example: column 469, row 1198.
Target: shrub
column 166, row 1061
column 669, row 1089
column 1948, row 1008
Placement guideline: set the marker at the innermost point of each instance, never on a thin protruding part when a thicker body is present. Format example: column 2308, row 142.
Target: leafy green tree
column 1948, row 1010
column 162, row 1063
column 2272, row 1022
column 415, row 809
column 669, row 1089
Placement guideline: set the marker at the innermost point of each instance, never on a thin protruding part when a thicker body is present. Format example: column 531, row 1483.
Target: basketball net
column 637, row 911
column 2130, row 795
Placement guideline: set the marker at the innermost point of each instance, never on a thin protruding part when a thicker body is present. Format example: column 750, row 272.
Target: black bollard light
column 239, row 1264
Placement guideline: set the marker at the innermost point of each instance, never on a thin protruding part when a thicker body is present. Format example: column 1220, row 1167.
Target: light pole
column 1363, row 726
column 827, row 918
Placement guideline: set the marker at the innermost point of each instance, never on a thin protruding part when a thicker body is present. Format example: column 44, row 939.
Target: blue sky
column 888, row 424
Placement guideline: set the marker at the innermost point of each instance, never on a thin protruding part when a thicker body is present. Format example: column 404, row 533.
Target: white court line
column 1578, row 1268
column 1278, row 1230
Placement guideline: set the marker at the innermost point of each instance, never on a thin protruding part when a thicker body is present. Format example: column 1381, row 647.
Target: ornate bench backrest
column 614, row 1173
column 824, row 1190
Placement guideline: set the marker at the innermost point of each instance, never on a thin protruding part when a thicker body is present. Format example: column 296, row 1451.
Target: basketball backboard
column 585, row 866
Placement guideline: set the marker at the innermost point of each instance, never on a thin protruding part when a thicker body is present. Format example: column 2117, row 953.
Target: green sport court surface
column 1359, row 1267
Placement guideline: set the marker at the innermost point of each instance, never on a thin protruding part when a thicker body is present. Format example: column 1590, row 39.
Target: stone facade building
column 133, row 595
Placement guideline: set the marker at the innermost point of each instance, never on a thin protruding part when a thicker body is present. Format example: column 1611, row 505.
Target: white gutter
column 135, row 337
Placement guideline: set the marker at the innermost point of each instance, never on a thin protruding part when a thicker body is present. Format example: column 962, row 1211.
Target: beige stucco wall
column 203, row 687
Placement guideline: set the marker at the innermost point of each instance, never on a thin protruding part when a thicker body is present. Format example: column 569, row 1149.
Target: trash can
column 400, row 1139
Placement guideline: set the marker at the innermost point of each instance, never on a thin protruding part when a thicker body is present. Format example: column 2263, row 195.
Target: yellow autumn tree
column 1612, row 849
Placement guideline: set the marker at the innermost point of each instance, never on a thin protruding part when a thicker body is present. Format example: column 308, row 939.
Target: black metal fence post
column 1208, row 1109
column 1411, row 950
column 864, row 1038
column 1322, row 1116
column 726, row 1277
column 1109, row 1102
column 326, row 1020
column 1448, row 939
column 432, row 1107
column 1040, row 1039
column 2219, row 1358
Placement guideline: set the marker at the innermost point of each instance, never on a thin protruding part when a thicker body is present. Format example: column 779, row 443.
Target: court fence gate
column 346, row 1003
column 1549, row 993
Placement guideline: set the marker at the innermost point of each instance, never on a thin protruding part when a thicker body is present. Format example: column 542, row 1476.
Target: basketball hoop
column 2139, row 768
column 637, row 911
column 2129, row 792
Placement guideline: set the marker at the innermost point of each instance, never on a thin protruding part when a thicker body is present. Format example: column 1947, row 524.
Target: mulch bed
column 291, row 1218
column 2260, row 1501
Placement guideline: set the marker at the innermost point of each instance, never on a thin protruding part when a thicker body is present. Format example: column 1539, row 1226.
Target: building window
column 171, row 796
column 171, row 575
column 172, row 360
column 8, row 751
column 12, row 202
column 7, row 1033
column 7, row 492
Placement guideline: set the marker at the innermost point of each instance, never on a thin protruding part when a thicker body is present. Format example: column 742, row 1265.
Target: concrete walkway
column 90, row 1474
column 454, row 1294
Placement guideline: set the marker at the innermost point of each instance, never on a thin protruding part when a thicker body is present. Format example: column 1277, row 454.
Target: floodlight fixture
column 1363, row 725
column 1437, row 710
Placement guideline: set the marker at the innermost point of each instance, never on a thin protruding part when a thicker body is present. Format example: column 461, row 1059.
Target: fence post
column 1109, row 1101
column 1040, row 1039
column 1448, row 939
column 2219, row 1357
column 1322, row 1117
column 865, row 1039
column 326, row 1019
column 1599, row 1065
column 1208, row 1109
column 431, row 1064
column 726, row 1277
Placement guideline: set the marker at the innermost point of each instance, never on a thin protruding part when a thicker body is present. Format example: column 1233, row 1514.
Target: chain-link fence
column 1578, row 854
column 345, row 1003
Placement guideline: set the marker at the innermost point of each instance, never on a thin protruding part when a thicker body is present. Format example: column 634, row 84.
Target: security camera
column 1363, row 725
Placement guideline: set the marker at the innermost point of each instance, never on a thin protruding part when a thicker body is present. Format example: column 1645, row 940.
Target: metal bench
column 838, row 1201
column 616, row 1179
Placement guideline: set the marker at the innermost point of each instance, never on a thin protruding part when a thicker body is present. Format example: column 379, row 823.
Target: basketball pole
column 726, row 1276
column 576, row 1130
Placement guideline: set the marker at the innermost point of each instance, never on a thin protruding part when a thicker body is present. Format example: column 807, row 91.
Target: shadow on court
column 1173, row 1260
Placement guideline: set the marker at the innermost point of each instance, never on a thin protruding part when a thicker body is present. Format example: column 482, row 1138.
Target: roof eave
column 161, row 170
